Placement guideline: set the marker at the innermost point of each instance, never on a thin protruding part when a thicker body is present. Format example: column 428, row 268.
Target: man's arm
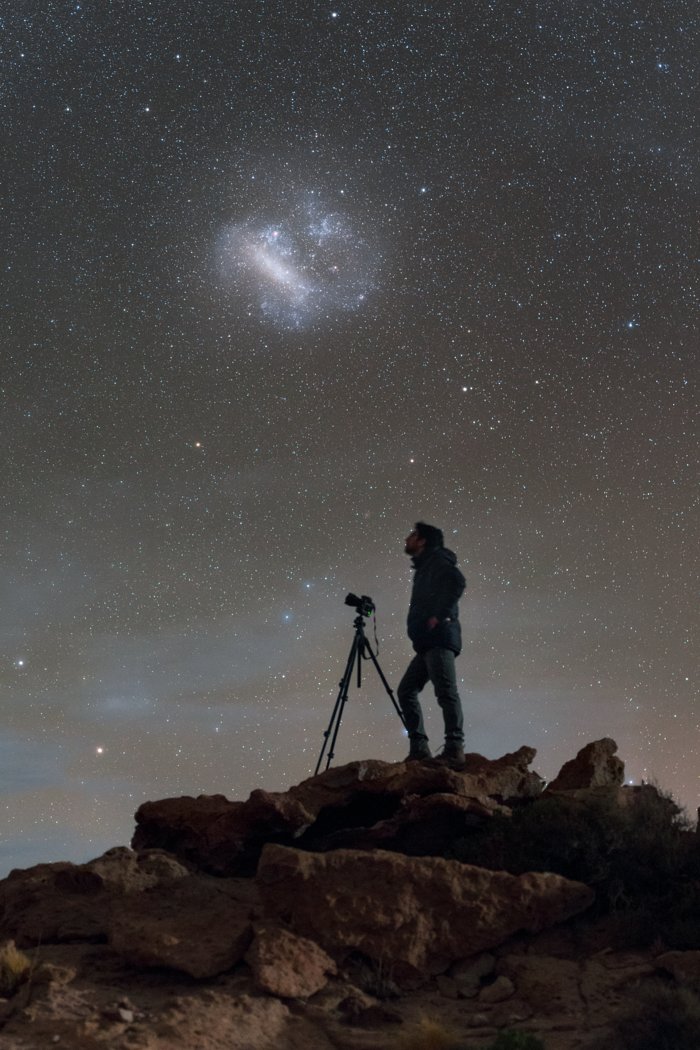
column 449, row 588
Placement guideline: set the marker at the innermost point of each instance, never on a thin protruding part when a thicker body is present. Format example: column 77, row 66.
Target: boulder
column 416, row 915
column 226, row 838
column 468, row 974
column 150, row 908
column 214, row 1020
column 683, row 966
column 549, row 985
column 219, row 836
column 498, row 991
column 71, row 902
column 286, row 965
column 197, row 927
column 596, row 765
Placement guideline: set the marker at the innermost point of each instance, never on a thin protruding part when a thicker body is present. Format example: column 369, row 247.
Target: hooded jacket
column 437, row 587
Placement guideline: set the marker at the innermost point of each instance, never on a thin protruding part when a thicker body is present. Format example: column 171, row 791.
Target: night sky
column 282, row 278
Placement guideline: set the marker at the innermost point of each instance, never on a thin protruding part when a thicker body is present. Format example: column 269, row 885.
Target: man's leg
column 440, row 664
column 409, row 687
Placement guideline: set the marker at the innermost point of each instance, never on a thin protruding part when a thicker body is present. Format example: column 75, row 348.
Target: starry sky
column 282, row 278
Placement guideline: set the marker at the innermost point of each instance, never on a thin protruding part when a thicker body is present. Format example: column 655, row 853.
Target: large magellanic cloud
column 304, row 265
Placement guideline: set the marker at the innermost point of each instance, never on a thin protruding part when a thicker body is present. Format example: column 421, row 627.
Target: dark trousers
column 438, row 666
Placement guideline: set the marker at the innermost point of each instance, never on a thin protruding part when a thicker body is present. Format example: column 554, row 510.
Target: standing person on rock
column 433, row 627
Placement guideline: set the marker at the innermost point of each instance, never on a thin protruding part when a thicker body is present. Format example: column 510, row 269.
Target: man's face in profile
column 415, row 544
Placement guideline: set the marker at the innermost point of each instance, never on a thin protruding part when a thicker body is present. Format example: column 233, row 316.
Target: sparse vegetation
column 667, row 1017
column 516, row 1040
column 427, row 1034
column 15, row 968
column 642, row 859
column 374, row 977
column 431, row 1034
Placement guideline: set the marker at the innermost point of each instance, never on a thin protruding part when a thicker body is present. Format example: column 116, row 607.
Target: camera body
column 364, row 605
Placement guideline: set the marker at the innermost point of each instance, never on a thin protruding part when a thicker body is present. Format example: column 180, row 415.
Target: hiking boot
column 419, row 752
column 452, row 755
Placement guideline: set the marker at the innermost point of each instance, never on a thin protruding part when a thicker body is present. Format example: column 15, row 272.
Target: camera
column 364, row 605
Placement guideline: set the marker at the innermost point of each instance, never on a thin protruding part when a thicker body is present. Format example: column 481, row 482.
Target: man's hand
column 432, row 623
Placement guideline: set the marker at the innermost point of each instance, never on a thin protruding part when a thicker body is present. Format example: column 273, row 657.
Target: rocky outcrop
column 363, row 804
column 70, row 902
column 216, row 835
column 415, row 915
column 350, row 897
column 595, row 766
column 148, row 907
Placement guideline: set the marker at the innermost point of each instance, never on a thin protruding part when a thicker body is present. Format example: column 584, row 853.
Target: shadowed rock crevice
column 360, row 811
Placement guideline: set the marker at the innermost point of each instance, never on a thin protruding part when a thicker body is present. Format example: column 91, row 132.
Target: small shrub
column 667, row 1018
column 15, row 968
column 427, row 1034
column 373, row 976
column 515, row 1040
column 641, row 858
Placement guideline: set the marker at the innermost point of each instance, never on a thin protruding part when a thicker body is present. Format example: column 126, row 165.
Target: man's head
column 423, row 537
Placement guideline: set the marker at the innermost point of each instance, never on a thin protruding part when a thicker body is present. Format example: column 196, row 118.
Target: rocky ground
column 323, row 917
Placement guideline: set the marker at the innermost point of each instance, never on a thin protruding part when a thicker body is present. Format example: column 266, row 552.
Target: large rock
column 149, row 907
column 71, row 902
column 198, row 927
column 548, row 985
column 219, row 836
column 286, row 965
column 226, row 838
column 596, row 765
column 414, row 915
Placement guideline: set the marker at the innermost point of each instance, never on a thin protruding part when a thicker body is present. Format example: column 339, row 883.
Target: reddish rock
column 70, row 902
column 287, row 965
column 217, row 835
column 596, row 765
column 197, row 927
column 417, row 915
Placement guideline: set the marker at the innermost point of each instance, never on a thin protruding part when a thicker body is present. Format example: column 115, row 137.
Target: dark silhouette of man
column 433, row 627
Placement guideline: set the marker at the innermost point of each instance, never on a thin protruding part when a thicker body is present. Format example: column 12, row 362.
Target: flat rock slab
column 415, row 915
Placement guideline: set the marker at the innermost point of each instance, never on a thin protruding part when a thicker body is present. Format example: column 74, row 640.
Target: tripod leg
column 334, row 724
column 386, row 685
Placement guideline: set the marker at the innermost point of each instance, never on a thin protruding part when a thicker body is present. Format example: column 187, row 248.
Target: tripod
column 359, row 649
